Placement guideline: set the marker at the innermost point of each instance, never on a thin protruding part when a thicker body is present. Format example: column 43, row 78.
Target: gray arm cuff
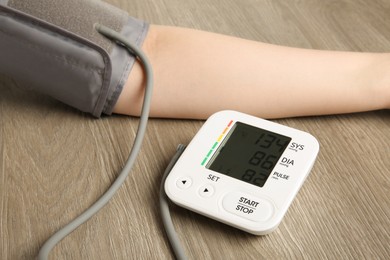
column 63, row 56
column 136, row 31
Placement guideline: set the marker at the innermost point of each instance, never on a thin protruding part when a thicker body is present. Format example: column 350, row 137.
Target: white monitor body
column 242, row 170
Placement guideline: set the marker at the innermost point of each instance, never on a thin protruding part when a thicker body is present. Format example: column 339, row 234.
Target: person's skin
column 198, row 73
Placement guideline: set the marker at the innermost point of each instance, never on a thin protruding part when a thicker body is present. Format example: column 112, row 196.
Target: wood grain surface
column 55, row 161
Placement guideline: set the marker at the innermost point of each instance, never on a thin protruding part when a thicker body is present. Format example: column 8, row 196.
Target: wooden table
column 55, row 161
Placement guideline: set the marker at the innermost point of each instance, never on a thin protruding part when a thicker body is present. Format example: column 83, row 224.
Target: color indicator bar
column 217, row 142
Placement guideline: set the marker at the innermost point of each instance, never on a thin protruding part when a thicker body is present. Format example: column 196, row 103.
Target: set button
column 206, row 191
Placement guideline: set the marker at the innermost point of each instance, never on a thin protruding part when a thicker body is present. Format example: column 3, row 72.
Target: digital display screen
column 249, row 153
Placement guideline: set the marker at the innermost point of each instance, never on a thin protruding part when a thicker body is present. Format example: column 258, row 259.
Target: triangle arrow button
column 206, row 191
column 184, row 183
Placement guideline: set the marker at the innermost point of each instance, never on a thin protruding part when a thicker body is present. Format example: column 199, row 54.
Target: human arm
column 198, row 73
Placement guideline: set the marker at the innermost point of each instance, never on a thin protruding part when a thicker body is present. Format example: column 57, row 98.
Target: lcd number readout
column 263, row 161
column 249, row 153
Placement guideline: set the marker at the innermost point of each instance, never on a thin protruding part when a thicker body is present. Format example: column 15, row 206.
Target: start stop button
column 248, row 206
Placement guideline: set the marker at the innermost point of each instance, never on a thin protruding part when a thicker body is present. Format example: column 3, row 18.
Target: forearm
column 198, row 73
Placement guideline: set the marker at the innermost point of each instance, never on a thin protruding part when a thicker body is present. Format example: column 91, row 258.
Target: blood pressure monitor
column 242, row 170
